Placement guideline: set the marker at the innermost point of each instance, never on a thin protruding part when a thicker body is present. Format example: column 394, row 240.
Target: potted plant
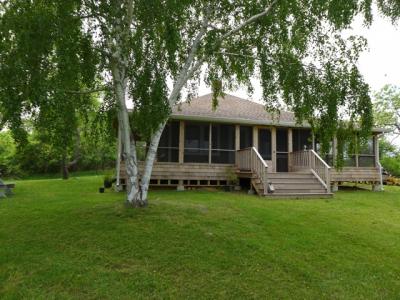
column 108, row 181
column 233, row 179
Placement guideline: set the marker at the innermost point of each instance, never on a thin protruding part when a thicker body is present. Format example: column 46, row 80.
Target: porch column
column 209, row 143
column 273, row 144
column 290, row 148
column 290, row 140
column 334, row 150
column 356, row 154
column 181, row 141
column 313, row 141
column 255, row 137
column 335, row 186
column 237, row 137
column 237, row 142
column 376, row 150
column 180, row 186
column 377, row 187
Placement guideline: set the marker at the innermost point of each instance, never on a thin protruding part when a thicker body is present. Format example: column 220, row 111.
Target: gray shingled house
column 241, row 143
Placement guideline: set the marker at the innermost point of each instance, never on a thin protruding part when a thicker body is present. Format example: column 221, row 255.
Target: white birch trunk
column 150, row 157
column 129, row 153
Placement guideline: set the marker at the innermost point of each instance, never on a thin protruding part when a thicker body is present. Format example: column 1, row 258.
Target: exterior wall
column 164, row 173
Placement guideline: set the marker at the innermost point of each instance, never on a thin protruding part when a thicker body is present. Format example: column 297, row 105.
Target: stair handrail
column 251, row 160
column 320, row 169
column 260, row 168
column 380, row 176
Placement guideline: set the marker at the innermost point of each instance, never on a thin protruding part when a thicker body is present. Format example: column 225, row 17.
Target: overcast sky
column 380, row 64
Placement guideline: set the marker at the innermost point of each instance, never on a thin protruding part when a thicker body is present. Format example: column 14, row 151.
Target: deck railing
column 250, row 160
column 309, row 159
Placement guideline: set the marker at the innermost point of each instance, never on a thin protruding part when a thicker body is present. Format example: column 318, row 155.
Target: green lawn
column 62, row 239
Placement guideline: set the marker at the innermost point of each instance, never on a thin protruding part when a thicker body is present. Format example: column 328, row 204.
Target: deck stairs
column 309, row 181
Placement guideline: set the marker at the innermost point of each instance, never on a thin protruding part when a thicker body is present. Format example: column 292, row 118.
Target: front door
column 282, row 150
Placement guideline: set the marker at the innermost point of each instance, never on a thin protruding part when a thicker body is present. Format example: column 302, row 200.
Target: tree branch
column 248, row 21
column 183, row 74
column 84, row 92
column 186, row 72
column 259, row 59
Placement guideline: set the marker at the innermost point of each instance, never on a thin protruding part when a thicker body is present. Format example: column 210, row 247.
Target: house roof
column 231, row 109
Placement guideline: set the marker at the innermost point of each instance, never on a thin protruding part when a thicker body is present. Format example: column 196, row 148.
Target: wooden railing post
column 251, row 161
column 328, row 179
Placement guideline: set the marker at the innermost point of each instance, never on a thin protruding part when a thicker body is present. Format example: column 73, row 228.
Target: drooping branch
column 85, row 92
column 259, row 59
column 247, row 22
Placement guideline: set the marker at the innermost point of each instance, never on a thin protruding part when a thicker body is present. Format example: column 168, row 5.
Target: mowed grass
column 62, row 239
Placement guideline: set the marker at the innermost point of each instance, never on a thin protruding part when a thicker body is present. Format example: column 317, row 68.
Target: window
column 223, row 144
column 264, row 144
column 366, row 158
column 197, row 136
column 302, row 138
column 168, row 148
column 246, row 137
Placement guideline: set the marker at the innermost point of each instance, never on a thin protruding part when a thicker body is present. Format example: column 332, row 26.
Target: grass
column 62, row 239
column 58, row 175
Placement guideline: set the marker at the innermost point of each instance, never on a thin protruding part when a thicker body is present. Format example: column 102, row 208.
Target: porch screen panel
column 168, row 148
column 302, row 138
column 223, row 144
column 281, row 140
column 366, row 157
column 349, row 157
column 197, row 137
column 246, row 137
column 265, row 144
column 328, row 157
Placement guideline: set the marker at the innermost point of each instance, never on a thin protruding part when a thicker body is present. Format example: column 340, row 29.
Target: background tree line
column 387, row 116
column 91, row 145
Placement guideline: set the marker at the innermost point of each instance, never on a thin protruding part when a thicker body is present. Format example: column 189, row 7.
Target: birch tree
column 151, row 52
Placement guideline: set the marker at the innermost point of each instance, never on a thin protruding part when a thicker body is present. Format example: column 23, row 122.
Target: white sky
column 380, row 64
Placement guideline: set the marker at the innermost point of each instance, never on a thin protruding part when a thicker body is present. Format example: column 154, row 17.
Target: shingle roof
column 230, row 108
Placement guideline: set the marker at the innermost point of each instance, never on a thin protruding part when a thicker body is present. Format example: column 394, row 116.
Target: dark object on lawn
column 108, row 181
column 101, row 190
column 6, row 189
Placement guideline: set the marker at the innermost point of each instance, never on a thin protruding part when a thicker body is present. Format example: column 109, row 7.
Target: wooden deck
column 188, row 174
column 309, row 175
column 356, row 174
